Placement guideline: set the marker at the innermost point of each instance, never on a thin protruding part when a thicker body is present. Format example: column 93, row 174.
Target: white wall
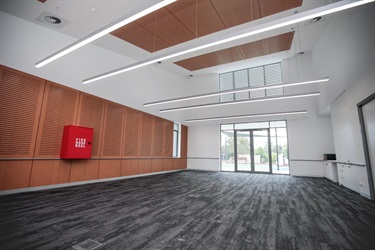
column 309, row 139
column 345, row 51
column 345, row 120
column 204, row 147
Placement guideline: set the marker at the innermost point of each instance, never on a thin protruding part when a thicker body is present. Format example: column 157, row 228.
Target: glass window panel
column 273, row 75
column 176, row 126
column 276, row 124
column 253, row 125
column 243, row 151
column 175, row 144
column 241, row 81
column 226, row 83
column 256, row 78
column 279, row 148
column 227, row 127
column 227, row 150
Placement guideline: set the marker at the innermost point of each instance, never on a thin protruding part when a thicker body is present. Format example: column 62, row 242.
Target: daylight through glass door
column 255, row 147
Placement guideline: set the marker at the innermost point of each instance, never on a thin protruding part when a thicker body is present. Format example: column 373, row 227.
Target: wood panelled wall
column 33, row 112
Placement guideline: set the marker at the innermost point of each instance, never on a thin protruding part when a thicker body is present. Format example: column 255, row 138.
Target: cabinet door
column 341, row 174
column 352, row 178
column 328, row 170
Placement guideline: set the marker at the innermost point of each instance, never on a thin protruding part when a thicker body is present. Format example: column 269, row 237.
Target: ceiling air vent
column 52, row 20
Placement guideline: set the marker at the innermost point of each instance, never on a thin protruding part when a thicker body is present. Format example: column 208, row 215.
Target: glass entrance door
column 243, row 153
column 261, row 150
column 252, row 150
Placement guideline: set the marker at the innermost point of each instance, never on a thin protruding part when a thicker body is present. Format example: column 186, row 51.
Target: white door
column 368, row 111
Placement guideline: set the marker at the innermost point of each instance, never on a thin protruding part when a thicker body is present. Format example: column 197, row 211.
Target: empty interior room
column 187, row 124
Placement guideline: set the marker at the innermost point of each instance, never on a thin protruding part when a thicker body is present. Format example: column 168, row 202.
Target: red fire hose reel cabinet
column 76, row 142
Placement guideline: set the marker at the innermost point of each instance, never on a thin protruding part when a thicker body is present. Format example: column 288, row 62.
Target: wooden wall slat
column 14, row 174
column 129, row 167
column 109, row 168
column 132, row 130
column 146, row 135
column 91, row 114
column 60, row 105
column 184, row 140
column 49, row 172
column 83, row 170
column 21, row 98
column 168, row 139
column 158, row 137
column 113, row 130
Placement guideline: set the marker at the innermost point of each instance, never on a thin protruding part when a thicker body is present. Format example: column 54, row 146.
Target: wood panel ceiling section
column 185, row 20
column 246, row 51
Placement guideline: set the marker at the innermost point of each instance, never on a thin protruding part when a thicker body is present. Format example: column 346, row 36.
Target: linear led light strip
column 300, row 17
column 103, row 31
column 240, row 102
column 232, row 91
column 246, row 116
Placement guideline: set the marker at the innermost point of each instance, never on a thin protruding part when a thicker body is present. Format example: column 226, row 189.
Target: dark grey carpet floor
column 191, row 210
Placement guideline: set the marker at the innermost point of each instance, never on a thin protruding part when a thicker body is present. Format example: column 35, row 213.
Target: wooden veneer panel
column 60, row 105
column 48, row 172
column 185, row 20
column 83, row 170
column 109, row 168
column 158, row 137
column 183, row 163
column 15, row 174
column 233, row 13
column 146, row 135
column 176, row 163
column 144, row 166
column 270, row 7
column 21, row 98
column 113, row 130
column 168, row 139
column 168, row 164
column 91, row 114
column 157, row 165
column 184, row 140
column 262, row 47
column 132, row 132
column 141, row 37
column 129, row 167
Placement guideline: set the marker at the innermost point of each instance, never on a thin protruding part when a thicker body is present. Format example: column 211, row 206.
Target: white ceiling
column 86, row 16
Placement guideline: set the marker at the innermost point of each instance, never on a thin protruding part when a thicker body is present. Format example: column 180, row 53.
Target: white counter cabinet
column 330, row 170
column 353, row 177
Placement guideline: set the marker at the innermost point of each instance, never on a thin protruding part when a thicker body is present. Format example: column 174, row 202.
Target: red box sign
column 76, row 142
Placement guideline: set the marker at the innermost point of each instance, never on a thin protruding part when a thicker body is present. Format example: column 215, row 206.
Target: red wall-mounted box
column 76, row 142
